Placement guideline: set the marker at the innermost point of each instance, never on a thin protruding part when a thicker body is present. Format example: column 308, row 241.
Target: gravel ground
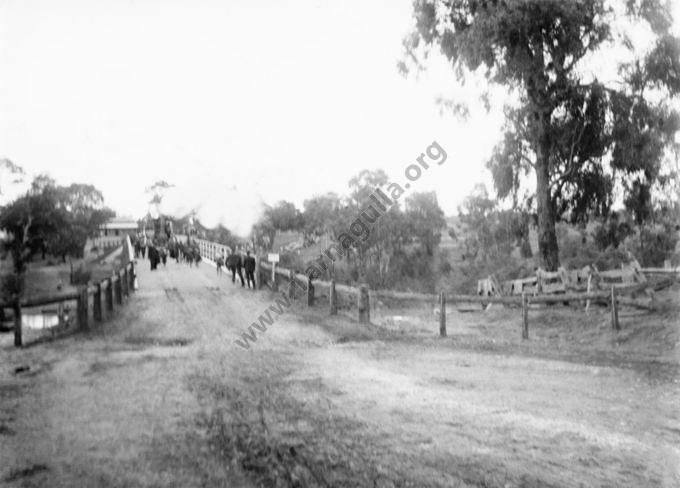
column 159, row 395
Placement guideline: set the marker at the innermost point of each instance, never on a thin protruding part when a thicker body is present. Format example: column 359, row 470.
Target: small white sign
column 273, row 257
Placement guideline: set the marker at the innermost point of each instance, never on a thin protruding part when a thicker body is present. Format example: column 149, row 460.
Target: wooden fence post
column 588, row 290
column 83, row 309
column 17, row 324
column 364, row 305
column 614, row 310
column 310, row 292
column 525, row 316
column 108, row 295
column 291, row 284
column 442, row 314
column 97, row 303
column 333, row 299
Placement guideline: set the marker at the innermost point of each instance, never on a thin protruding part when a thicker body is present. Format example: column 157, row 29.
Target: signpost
column 273, row 258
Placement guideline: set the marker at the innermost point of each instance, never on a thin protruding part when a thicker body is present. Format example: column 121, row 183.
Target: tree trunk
column 547, row 238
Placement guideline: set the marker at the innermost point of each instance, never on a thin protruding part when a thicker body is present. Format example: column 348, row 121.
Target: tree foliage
column 492, row 233
column 283, row 216
column 386, row 240
column 52, row 218
column 157, row 191
column 565, row 124
column 14, row 171
column 320, row 215
column 425, row 219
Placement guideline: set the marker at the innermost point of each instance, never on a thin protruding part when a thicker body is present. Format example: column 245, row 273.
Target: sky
column 237, row 103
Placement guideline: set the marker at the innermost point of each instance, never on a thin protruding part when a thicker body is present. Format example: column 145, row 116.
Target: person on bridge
column 154, row 257
column 249, row 266
column 219, row 262
column 234, row 265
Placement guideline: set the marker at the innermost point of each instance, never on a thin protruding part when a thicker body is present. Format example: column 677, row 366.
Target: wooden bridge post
column 131, row 277
column 97, row 303
column 310, row 292
column 123, row 274
column 442, row 314
column 364, row 305
column 82, row 307
column 614, row 310
column 109, row 295
column 18, row 339
column 525, row 316
column 333, row 299
column 117, row 288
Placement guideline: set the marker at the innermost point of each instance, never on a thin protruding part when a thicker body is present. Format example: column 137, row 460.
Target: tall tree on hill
column 83, row 213
column 281, row 217
column 362, row 186
column 426, row 219
column 157, row 191
column 284, row 216
column 566, row 123
column 320, row 215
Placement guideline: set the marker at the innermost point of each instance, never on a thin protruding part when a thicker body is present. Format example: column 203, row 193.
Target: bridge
column 159, row 394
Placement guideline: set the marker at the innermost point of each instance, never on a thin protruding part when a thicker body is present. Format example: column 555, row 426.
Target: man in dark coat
column 234, row 265
column 249, row 266
column 153, row 257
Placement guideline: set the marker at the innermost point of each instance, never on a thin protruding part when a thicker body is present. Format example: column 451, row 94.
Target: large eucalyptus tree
column 577, row 129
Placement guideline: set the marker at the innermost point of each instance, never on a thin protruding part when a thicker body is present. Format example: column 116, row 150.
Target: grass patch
column 158, row 341
column 17, row 474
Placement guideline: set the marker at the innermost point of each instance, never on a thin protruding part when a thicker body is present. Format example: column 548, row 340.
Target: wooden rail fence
column 612, row 295
column 121, row 283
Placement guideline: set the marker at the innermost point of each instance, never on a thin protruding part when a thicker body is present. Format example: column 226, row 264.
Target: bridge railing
column 211, row 250
column 93, row 303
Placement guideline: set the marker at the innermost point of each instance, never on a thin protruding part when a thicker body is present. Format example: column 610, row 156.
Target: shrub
column 656, row 244
column 81, row 276
column 10, row 285
column 445, row 267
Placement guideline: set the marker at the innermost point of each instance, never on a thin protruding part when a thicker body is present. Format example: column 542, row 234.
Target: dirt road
column 161, row 396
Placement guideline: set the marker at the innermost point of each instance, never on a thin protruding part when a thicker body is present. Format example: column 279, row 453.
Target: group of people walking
column 158, row 251
column 235, row 264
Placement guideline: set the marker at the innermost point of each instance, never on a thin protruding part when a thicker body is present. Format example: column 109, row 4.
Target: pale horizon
column 235, row 104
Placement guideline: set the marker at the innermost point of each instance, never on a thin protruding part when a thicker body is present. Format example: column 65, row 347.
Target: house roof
column 120, row 223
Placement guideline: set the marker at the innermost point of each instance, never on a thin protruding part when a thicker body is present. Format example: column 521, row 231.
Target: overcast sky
column 232, row 101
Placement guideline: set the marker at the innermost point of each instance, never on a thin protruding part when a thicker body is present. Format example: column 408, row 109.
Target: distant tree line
column 401, row 241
